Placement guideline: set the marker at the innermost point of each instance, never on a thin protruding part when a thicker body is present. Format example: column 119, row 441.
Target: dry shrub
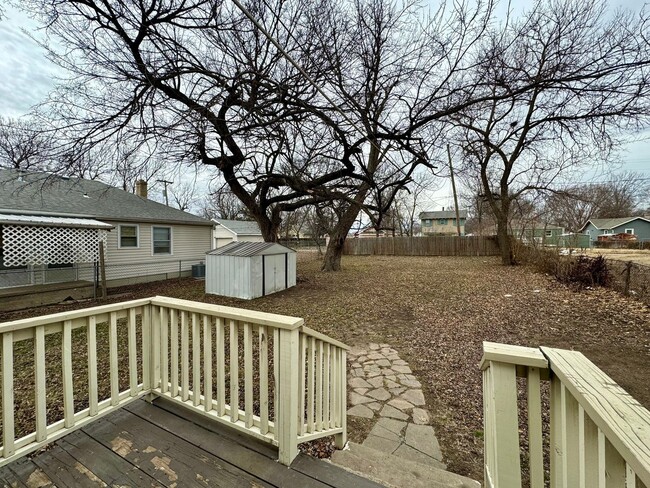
column 581, row 271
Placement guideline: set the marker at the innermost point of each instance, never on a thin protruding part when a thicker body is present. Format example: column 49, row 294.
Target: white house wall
column 189, row 244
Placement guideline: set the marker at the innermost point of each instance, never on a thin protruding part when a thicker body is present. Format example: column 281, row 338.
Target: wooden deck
column 165, row 445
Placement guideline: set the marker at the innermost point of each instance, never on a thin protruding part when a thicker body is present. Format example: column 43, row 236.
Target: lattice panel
column 24, row 245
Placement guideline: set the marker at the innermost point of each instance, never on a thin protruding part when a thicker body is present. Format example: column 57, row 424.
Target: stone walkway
column 382, row 386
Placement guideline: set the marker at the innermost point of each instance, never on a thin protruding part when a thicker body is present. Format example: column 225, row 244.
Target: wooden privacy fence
column 423, row 246
column 263, row 374
column 599, row 434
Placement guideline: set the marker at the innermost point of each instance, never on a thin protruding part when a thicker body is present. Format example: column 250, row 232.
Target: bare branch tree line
column 380, row 88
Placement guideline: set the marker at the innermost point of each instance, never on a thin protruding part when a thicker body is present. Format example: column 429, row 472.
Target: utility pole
column 165, row 182
column 453, row 188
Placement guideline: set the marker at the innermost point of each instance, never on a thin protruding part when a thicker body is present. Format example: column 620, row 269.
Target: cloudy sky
column 26, row 77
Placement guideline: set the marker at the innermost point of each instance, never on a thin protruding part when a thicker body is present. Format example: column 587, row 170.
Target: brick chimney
column 141, row 188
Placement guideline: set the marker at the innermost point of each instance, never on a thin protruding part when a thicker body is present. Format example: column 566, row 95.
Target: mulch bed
column 436, row 312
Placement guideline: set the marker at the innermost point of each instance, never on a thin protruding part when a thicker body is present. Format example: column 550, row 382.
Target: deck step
column 396, row 472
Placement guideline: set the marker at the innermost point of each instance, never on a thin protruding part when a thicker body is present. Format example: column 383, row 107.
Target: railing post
column 287, row 385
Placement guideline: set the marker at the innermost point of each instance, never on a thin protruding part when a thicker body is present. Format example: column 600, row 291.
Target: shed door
column 274, row 273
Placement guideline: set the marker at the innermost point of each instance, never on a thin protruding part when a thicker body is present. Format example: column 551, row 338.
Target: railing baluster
column 341, row 439
column 570, row 438
column 185, row 360
column 287, row 427
column 112, row 347
column 319, row 385
column 248, row 375
column 334, row 391
column 264, row 378
column 302, row 342
column 154, row 344
column 207, row 362
column 326, row 389
column 311, row 342
column 630, row 477
column 8, row 433
column 276, row 376
column 234, row 371
column 602, row 461
column 91, row 340
column 614, row 466
column 535, row 429
column 173, row 350
column 66, row 356
column 557, row 429
column 196, row 359
column 145, row 345
column 164, row 350
column 39, row 373
column 588, row 451
column 221, row 368
column 133, row 357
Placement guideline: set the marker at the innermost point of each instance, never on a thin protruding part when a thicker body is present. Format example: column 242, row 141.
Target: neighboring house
column 537, row 232
column 637, row 226
column 369, row 232
column 51, row 227
column 442, row 222
column 227, row 231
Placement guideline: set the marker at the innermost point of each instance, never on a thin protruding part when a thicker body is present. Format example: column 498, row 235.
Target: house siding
column 223, row 236
column 449, row 228
column 641, row 230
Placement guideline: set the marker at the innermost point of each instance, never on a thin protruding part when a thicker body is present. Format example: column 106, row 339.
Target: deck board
column 165, row 445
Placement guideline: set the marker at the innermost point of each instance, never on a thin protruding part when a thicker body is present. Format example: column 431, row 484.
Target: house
column 227, row 231
column 533, row 232
column 51, row 228
column 637, row 226
column 370, row 232
column 442, row 222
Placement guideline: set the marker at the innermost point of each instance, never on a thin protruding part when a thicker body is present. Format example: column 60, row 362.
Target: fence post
column 287, row 386
column 628, row 271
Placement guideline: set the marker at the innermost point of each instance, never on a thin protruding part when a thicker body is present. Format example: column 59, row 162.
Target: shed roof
column 611, row 223
column 443, row 214
column 241, row 227
column 40, row 221
column 247, row 249
column 40, row 193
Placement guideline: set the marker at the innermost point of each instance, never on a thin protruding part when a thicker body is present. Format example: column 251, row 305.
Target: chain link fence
column 116, row 274
column 630, row 278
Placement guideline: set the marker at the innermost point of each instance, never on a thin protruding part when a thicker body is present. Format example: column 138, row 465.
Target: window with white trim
column 549, row 233
column 608, row 231
column 629, row 231
column 161, row 240
column 129, row 236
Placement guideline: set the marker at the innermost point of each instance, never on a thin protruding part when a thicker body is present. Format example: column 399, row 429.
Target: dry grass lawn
column 639, row 256
column 436, row 312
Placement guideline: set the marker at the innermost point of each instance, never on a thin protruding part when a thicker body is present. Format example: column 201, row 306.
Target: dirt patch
column 436, row 312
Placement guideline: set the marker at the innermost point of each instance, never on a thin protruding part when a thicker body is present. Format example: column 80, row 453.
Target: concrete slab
column 361, row 411
column 423, row 438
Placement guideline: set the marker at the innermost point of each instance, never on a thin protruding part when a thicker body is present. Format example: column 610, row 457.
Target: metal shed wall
column 250, row 277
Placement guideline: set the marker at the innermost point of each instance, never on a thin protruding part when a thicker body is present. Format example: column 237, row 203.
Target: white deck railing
column 599, row 434
column 183, row 351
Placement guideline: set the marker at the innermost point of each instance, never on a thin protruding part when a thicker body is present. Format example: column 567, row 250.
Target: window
column 427, row 222
column 608, row 231
column 128, row 236
column 161, row 240
column 442, row 221
column 629, row 231
column 549, row 233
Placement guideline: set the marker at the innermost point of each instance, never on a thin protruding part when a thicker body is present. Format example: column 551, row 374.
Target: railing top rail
column 517, row 355
column 251, row 316
column 69, row 315
column 324, row 338
column 623, row 420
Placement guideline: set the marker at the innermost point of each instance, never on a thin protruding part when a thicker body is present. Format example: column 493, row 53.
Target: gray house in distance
column 638, row 226
column 227, row 231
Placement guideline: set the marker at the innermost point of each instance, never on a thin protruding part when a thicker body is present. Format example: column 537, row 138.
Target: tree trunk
column 505, row 244
column 332, row 259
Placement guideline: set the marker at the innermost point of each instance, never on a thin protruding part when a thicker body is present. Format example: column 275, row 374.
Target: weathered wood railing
column 599, row 435
column 251, row 370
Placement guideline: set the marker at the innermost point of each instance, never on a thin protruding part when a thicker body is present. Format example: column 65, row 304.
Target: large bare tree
column 566, row 79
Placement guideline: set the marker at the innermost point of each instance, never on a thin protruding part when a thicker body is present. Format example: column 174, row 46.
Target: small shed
column 249, row 269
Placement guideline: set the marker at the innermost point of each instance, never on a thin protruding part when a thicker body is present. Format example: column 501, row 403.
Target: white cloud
column 26, row 75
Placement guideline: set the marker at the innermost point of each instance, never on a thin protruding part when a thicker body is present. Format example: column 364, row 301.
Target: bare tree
column 565, row 79
column 622, row 196
column 23, row 147
column 223, row 204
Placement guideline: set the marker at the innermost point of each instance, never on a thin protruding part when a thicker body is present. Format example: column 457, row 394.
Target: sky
column 27, row 76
